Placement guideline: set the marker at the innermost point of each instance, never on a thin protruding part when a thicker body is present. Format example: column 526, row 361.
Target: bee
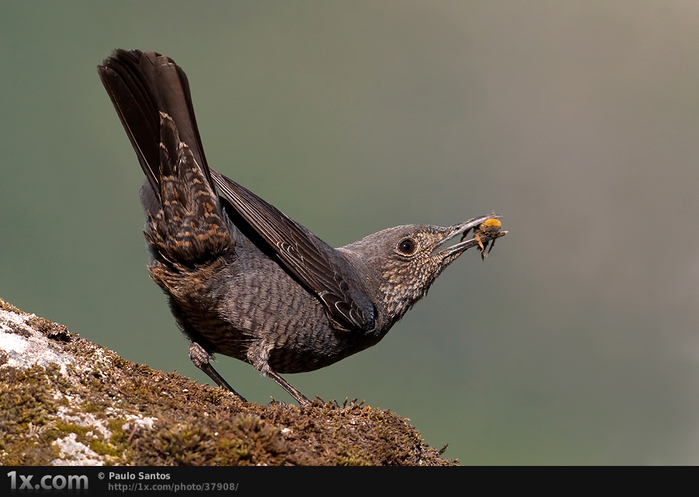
column 486, row 233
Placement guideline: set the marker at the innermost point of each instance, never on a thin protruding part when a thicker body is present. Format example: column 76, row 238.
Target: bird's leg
column 200, row 358
column 298, row 396
column 258, row 356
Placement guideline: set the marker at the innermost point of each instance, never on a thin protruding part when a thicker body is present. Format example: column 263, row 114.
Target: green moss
column 26, row 412
column 350, row 456
column 64, row 429
column 195, row 424
column 93, row 408
column 104, row 447
column 52, row 330
column 6, row 306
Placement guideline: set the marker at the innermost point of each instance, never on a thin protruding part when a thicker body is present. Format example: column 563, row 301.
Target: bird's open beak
column 482, row 236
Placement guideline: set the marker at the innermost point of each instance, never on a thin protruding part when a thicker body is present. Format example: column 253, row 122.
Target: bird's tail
column 151, row 96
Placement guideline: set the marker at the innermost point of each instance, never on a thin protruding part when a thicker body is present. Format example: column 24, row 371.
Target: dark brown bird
column 243, row 279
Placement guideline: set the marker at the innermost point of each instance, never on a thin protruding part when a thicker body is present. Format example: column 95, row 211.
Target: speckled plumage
column 243, row 279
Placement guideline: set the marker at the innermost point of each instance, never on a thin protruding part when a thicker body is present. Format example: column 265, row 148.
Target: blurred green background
column 574, row 343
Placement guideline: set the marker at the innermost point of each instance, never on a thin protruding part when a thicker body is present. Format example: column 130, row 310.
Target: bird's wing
column 304, row 254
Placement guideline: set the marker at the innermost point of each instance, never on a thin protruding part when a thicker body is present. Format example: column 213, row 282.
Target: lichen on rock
column 67, row 401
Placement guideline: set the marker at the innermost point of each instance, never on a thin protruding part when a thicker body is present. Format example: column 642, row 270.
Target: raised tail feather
column 151, row 95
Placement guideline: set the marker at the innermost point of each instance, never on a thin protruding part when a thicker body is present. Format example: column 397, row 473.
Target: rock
column 67, row 401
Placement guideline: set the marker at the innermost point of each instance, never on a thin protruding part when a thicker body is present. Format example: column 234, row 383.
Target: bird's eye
column 407, row 246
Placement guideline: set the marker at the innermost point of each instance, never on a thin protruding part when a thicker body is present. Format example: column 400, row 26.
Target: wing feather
column 313, row 261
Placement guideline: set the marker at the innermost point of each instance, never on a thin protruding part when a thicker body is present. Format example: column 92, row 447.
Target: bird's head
column 406, row 260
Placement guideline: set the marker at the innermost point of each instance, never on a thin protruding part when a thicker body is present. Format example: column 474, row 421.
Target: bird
column 243, row 279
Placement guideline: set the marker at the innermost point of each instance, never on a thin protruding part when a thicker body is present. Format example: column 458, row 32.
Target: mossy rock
column 67, row 401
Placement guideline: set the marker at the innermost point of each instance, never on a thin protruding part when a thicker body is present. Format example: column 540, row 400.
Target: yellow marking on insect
column 490, row 229
column 490, row 224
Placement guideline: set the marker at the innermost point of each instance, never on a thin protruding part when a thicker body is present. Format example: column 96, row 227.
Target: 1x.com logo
column 47, row 482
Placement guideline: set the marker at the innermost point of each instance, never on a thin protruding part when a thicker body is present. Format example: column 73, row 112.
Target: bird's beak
column 482, row 236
